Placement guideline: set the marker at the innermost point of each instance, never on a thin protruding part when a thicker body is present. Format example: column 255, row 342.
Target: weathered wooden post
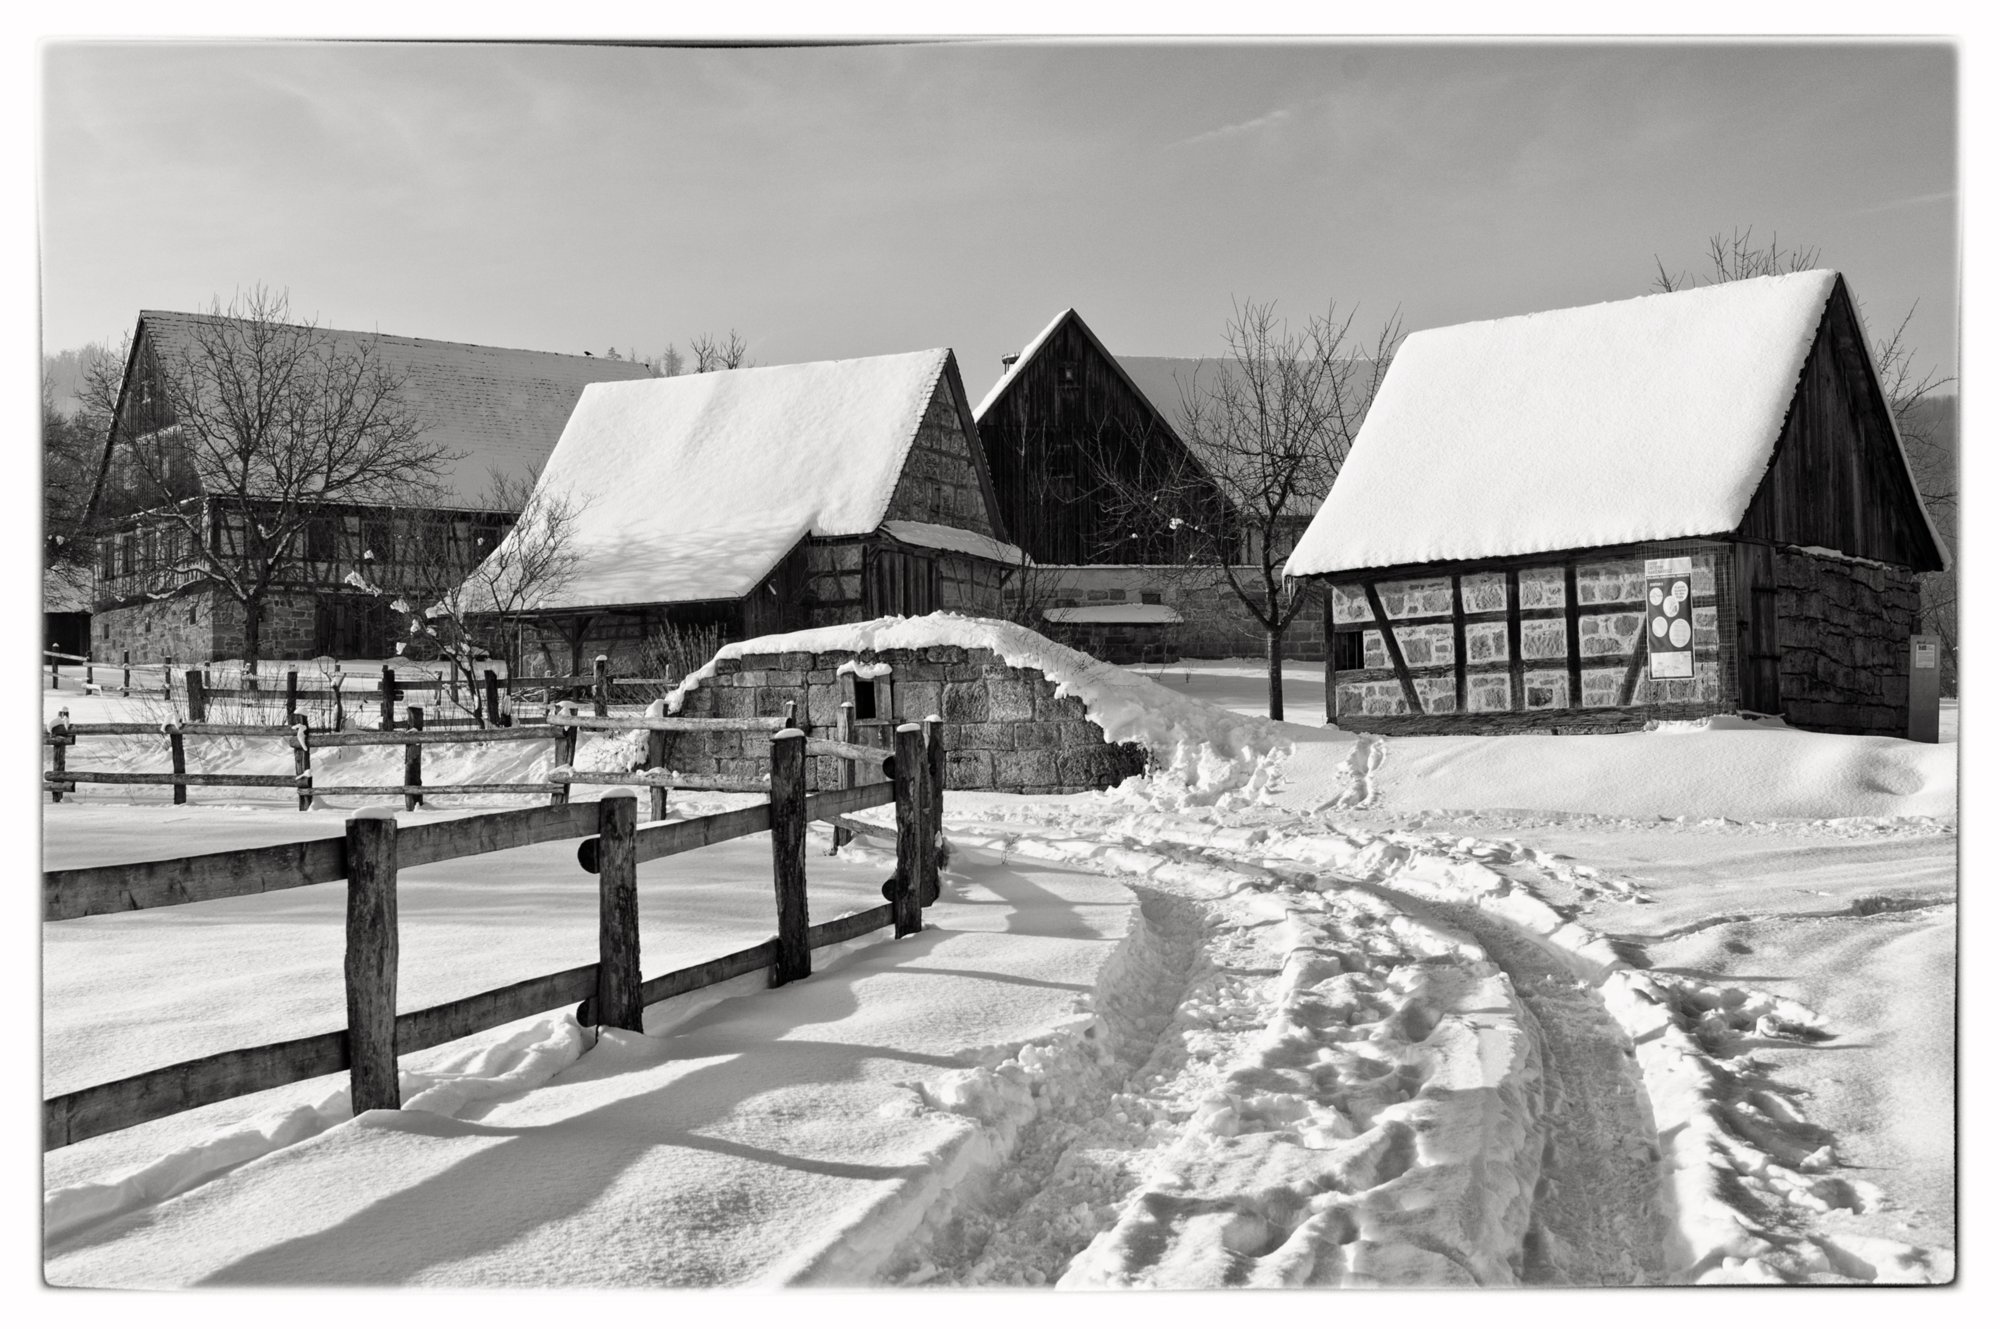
column 125, row 688
column 938, row 854
column 565, row 756
column 371, row 961
column 845, row 732
column 493, row 699
column 339, row 704
column 388, row 699
column 656, row 759
column 788, row 854
column 617, row 1004
column 59, row 734
column 89, row 672
column 197, row 690
column 454, row 680
column 302, row 758
column 600, row 685
column 413, row 762
column 167, row 680
column 55, row 668
column 291, row 692
column 910, row 808
column 177, row 750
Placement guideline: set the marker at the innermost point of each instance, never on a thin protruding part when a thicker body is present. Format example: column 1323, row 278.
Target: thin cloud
column 1913, row 201
column 1270, row 119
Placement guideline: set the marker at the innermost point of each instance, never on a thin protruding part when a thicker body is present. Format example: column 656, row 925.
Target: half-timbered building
column 1660, row 508
column 765, row 500
column 494, row 413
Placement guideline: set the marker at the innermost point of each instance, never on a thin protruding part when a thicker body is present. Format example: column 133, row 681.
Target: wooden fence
column 60, row 737
column 611, row 991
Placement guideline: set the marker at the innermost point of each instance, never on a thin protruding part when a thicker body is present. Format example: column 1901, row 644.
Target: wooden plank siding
column 1836, row 480
column 1068, row 400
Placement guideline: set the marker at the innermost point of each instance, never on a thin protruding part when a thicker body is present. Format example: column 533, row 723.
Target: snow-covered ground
column 1635, row 1009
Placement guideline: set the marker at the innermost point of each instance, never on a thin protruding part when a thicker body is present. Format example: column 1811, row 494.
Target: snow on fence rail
column 611, row 991
column 59, row 779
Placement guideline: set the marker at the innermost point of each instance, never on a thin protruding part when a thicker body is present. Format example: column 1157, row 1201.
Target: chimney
column 1007, row 361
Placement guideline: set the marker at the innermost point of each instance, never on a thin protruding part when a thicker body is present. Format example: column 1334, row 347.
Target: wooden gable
column 1838, row 479
column 945, row 480
column 1065, row 408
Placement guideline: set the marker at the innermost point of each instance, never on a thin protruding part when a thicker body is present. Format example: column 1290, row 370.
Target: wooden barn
column 495, row 412
column 755, row 501
column 1064, row 412
column 1660, row 508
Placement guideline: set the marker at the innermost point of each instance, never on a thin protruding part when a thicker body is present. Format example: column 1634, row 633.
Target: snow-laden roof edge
column 1027, row 354
column 955, row 539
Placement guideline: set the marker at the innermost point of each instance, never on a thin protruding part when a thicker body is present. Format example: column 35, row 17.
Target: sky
column 839, row 201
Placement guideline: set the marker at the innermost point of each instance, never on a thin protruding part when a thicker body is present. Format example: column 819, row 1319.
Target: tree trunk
column 253, row 624
column 1274, row 654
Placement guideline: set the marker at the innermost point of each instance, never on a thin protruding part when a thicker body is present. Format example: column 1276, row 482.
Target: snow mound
column 1200, row 754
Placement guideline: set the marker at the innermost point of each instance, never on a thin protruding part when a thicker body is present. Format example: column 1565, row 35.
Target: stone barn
column 755, row 501
column 1009, row 723
column 1659, row 508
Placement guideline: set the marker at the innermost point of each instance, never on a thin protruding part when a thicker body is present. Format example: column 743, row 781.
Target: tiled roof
column 501, row 410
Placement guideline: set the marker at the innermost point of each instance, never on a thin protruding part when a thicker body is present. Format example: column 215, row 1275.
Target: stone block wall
column 201, row 625
column 1004, row 728
column 939, row 484
column 1843, row 640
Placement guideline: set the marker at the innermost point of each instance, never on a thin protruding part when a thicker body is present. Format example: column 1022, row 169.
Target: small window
column 1346, row 651
column 864, row 699
column 1149, row 598
column 1067, row 375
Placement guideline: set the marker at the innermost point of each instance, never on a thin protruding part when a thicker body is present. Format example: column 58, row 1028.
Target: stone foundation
column 201, row 625
column 1844, row 643
column 1004, row 728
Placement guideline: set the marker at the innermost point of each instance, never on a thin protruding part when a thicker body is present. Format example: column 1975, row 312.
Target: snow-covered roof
column 498, row 410
column 954, row 539
column 695, row 487
column 1646, row 419
column 1114, row 613
column 1027, row 354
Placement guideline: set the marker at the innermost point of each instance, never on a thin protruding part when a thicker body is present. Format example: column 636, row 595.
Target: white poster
column 1670, row 617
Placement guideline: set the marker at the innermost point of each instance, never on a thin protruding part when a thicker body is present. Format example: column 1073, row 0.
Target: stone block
column 918, row 670
column 945, row 654
column 965, row 703
column 968, row 770
column 732, row 703
column 772, row 701
column 1009, row 699
column 822, row 705
column 1018, row 770
column 1099, row 767
column 757, row 662
column 914, row 701
column 996, row 737
column 1046, row 735
column 795, row 661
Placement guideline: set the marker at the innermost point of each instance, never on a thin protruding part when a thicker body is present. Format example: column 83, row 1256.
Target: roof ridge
column 396, row 337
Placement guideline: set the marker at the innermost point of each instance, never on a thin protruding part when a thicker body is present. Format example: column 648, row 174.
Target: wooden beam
column 1573, row 634
column 365, row 738
column 1394, row 648
column 1458, row 665
column 370, row 968
column 851, row 926
column 694, row 977
column 616, row 1001
column 1517, row 688
column 788, row 855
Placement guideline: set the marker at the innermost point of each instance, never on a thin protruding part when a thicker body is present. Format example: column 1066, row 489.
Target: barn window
column 864, row 699
column 1068, row 374
column 1346, row 651
column 1149, row 598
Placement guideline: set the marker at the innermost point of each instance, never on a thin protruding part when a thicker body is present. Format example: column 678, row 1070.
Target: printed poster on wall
column 1670, row 617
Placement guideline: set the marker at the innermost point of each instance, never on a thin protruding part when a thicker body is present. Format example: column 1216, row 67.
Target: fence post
column 55, row 668
column 125, row 688
column 845, row 733
column 197, row 690
column 291, row 692
column 656, row 759
column 413, row 761
column 89, row 672
column 177, row 747
column 910, row 808
column 302, row 758
column 388, row 699
column 371, row 961
column 454, row 680
column 58, row 758
column 617, row 1004
column 788, row 854
column 600, row 685
column 565, row 756
column 936, row 854
column 492, row 699
column 339, row 704
column 167, row 680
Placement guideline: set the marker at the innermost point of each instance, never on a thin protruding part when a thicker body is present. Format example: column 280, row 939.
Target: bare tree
column 471, row 610
column 1268, row 428
column 257, row 429
column 1930, row 435
column 710, row 354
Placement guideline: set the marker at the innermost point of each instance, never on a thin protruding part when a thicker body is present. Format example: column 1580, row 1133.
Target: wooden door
column 1757, row 630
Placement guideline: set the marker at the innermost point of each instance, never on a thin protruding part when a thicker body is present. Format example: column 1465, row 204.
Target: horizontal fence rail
column 610, row 991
